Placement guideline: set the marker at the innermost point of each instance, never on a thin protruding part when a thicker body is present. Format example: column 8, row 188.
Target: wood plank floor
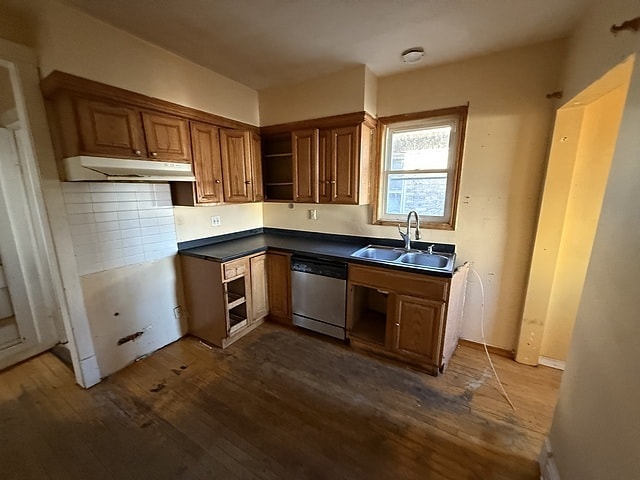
column 278, row 404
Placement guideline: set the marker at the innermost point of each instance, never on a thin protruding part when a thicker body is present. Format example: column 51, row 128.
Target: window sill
column 423, row 225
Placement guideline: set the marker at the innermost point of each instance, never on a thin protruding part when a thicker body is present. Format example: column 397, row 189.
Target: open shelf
column 235, row 299
column 369, row 314
column 277, row 168
column 371, row 326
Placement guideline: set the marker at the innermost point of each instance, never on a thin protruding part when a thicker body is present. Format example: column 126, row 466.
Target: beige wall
column 68, row 40
column 193, row 223
column 594, row 434
column 333, row 94
column 595, row 150
column 509, row 123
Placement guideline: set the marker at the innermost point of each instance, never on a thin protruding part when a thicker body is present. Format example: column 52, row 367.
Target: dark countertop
column 334, row 247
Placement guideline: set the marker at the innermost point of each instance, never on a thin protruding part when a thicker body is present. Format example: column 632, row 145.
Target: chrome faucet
column 406, row 236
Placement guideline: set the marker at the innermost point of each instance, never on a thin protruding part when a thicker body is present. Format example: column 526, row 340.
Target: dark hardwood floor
column 277, row 404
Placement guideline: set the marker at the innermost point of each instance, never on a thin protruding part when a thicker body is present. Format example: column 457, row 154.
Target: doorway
column 584, row 139
column 29, row 318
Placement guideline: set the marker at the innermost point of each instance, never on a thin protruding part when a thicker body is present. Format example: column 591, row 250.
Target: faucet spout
column 406, row 236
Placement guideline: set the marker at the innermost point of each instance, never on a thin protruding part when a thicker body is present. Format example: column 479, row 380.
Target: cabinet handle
column 397, row 324
column 137, row 152
column 217, row 181
column 154, row 154
column 248, row 182
column 332, row 182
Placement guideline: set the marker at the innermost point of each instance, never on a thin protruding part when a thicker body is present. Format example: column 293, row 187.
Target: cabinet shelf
column 235, row 299
column 277, row 155
column 236, row 322
column 278, row 184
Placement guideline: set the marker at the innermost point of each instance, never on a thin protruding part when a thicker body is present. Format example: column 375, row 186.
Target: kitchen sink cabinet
column 414, row 329
column 409, row 317
column 224, row 301
column 279, row 283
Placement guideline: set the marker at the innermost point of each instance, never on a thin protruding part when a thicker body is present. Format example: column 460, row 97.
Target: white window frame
column 455, row 118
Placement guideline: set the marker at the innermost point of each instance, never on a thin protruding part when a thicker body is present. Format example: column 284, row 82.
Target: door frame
column 45, row 205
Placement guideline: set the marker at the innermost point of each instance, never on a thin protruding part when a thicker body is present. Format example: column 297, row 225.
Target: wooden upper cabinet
column 305, row 165
column 107, row 129
column 167, row 137
column 345, row 164
column 113, row 130
column 256, row 164
column 207, row 163
column 235, row 148
column 324, row 166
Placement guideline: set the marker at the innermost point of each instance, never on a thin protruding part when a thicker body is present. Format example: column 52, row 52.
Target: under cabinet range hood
column 83, row 168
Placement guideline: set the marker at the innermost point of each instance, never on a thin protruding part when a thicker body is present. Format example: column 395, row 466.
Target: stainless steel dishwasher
column 319, row 295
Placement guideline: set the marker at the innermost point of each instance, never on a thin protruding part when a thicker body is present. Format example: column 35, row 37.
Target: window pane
column 424, row 193
column 424, row 149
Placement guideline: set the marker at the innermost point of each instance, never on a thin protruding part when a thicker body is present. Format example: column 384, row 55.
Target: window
column 420, row 162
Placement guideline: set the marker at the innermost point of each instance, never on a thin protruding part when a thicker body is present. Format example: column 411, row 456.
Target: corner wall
column 594, row 434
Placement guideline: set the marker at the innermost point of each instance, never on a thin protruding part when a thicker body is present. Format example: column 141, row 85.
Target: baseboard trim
column 503, row 352
column 548, row 468
column 552, row 362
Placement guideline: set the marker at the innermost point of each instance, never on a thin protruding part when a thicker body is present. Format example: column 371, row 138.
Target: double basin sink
column 442, row 262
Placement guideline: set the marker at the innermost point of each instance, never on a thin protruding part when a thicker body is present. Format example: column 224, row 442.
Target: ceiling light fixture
column 412, row 55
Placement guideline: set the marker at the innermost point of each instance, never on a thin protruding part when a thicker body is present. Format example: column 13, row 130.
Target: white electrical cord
column 484, row 341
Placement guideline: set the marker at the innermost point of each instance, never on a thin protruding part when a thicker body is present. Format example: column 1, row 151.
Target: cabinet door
column 167, row 137
column 305, row 165
column 109, row 130
column 259, row 290
column 236, row 165
column 324, row 166
column 207, row 164
column 415, row 328
column 256, row 163
column 345, row 164
column 279, row 284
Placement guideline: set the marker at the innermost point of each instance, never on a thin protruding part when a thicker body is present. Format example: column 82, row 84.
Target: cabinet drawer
column 234, row 269
column 413, row 284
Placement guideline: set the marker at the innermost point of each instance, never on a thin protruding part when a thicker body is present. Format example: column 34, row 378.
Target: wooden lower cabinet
column 259, row 287
column 224, row 301
column 279, row 281
column 409, row 317
column 415, row 329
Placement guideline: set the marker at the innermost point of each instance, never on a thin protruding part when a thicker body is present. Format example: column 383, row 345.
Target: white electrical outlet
column 215, row 221
column 313, row 214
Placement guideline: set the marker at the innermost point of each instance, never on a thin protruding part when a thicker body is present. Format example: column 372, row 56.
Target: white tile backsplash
column 117, row 224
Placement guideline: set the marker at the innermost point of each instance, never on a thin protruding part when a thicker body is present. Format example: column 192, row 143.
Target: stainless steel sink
column 433, row 260
column 413, row 258
column 376, row 252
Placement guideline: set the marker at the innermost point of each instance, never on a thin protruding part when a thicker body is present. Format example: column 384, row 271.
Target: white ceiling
column 263, row 43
